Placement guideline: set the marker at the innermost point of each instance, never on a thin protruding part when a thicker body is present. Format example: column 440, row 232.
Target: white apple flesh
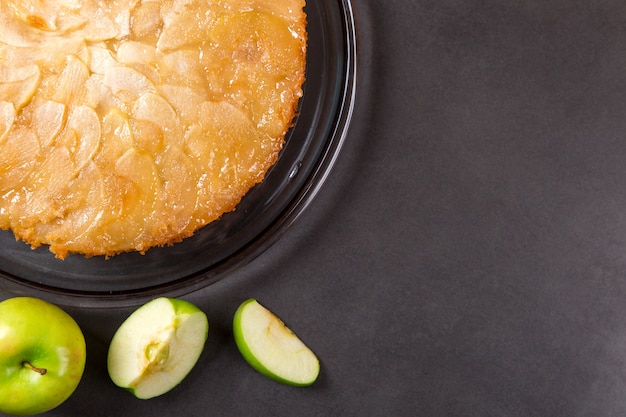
column 271, row 347
column 157, row 346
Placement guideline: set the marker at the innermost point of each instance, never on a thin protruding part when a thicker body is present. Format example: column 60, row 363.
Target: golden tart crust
column 128, row 124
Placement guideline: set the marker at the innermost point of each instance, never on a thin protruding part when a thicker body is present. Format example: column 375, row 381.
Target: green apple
column 272, row 348
column 157, row 346
column 42, row 356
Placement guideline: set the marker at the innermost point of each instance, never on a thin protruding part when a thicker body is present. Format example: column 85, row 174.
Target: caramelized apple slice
column 115, row 139
column 7, row 117
column 265, row 55
column 85, row 122
column 184, row 68
column 237, row 153
column 259, row 39
column 133, row 52
column 177, row 30
column 147, row 136
column 128, row 199
column 288, row 10
column 180, row 178
column 127, row 83
column 69, row 86
column 137, row 175
column 49, row 16
column 85, row 202
column 146, row 20
column 185, row 101
column 18, row 156
column 47, row 119
column 15, row 32
column 45, row 200
column 111, row 21
column 18, row 84
column 101, row 60
column 154, row 108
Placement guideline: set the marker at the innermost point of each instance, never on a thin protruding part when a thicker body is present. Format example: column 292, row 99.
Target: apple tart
column 130, row 124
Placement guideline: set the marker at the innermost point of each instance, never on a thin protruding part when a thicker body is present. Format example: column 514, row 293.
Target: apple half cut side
column 157, row 346
column 272, row 348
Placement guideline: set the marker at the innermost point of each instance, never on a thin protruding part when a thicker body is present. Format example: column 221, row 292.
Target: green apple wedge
column 42, row 356
column 157, row 346
column 272, row 348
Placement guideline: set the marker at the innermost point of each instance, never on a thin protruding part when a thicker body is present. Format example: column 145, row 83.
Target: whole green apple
column 42, row 356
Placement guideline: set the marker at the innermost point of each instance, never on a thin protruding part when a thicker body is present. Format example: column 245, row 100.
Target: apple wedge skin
column 37, row 332
column 246, row 351
column 157, row 346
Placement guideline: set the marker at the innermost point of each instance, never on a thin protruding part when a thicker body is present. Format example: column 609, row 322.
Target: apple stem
column 41, row 371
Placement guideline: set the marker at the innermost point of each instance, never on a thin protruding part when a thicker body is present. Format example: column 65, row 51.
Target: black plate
column 263, row 215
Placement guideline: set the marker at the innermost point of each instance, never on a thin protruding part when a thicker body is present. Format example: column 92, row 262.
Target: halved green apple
column 272, row 348
column 157, row 346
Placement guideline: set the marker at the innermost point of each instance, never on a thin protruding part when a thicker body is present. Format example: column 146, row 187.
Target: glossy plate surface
column 261, row 218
